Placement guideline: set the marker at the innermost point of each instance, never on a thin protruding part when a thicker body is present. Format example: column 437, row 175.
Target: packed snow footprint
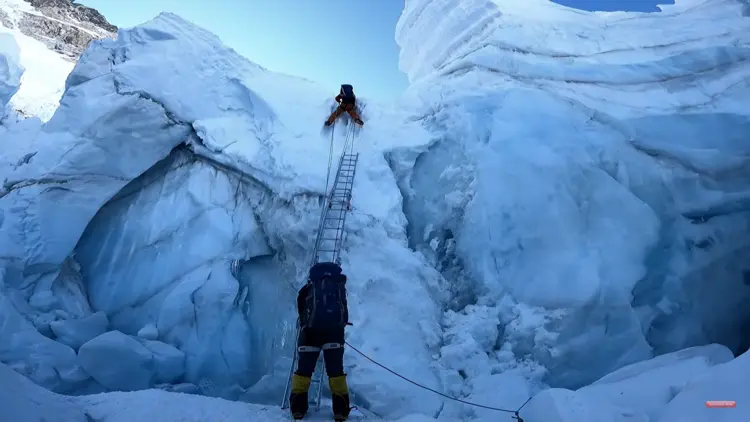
column 483, row 256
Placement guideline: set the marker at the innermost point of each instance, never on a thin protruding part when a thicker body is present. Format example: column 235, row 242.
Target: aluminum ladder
column 327, row 248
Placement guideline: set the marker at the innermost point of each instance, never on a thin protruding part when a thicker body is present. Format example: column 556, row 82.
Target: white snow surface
column 560, row 197
column 43, row 80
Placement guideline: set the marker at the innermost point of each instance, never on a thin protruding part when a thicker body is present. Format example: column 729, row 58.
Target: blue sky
column 328, row 41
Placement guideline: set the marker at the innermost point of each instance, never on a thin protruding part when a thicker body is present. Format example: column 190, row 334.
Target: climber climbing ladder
column 327, row 247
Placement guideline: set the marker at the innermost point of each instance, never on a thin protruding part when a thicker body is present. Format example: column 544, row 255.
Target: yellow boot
column 298, row 398
column 340, row 397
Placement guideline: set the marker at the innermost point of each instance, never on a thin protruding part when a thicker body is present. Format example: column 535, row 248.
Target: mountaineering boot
column 327, row 123
column 360, row 122
column 298, row 397
column 340, row 397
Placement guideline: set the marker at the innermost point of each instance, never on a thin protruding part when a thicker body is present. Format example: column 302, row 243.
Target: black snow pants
column 309, row 345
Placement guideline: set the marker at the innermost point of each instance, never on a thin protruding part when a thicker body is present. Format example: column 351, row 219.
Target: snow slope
column 593, row 175
column 43, row 80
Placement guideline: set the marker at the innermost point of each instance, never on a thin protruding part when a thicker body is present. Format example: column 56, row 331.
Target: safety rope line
column 515, row 416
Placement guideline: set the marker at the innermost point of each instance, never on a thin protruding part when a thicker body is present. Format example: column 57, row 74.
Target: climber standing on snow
column 323, row 315
column 347, row 103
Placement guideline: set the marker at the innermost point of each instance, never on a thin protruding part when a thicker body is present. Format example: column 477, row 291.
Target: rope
column 498, row 409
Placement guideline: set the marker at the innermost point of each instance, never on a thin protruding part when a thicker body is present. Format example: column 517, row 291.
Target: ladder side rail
column 344, row 211
column 324, row 213
column 287, row 389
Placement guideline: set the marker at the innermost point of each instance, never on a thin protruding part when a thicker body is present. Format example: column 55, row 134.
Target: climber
column 323, row 315
column 347, row 103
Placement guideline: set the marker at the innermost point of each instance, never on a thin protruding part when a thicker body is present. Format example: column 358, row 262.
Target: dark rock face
column 66, row 9
column 64, row 26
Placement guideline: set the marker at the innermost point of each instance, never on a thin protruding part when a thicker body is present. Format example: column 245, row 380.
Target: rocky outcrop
column 67, row 10
column 64, row 26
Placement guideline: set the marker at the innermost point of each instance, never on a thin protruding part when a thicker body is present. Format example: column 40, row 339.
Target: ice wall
column 10, row 69
column 591, row 204
column 215, row 161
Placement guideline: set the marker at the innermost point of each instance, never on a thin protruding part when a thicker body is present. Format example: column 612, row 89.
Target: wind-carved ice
column 585, row 188
column 126, row 249
column 559, row 194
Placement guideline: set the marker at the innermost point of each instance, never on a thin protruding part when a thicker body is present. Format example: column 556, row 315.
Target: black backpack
column 347, row 94
column 325, row 305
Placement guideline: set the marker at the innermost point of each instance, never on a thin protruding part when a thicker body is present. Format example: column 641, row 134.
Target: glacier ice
column 591, row 184
column 22, row 400
column 648, row 386
column 169, row 362
column 10, row 68
column 75, row 332
column 566, row 182
column 118, row 362
column 123, row 363
column 218, row 164
column 634, row 393
column 724, row 382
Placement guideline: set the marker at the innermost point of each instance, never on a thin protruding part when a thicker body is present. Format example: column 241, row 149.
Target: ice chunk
column 169, row 361
column 560, row 405
column 10, row 69
column 149, row 332
column 24, row 349
column 648, row 386
column 726, row 382
column 118, row 361
column 22, row 400
column 75, row 332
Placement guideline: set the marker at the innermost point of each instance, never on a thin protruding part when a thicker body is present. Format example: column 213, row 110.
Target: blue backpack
column 325, row 305
column 347, row 94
